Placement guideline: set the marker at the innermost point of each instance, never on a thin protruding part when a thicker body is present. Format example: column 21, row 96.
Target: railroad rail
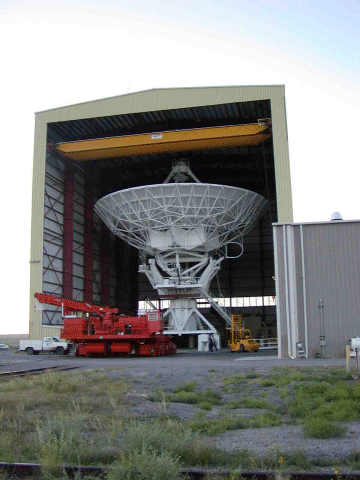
column 34, row 371
column 27, row 470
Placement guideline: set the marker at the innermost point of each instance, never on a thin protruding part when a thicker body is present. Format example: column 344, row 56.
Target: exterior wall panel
column 332, row 259
column 321, row 276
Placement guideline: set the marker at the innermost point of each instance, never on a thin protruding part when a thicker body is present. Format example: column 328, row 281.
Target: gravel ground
column 290, row 439
column 147, row 379
column 148, row 375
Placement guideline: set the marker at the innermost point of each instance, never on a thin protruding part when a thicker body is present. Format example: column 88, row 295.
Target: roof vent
column 336, row 216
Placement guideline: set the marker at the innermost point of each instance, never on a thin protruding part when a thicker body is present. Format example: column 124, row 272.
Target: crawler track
column 31, row 470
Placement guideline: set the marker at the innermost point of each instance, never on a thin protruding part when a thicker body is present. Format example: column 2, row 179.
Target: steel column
column 88, row 243
column 105, row 264
column 68, row 232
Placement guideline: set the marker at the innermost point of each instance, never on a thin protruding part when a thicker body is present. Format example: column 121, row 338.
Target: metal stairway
column 222, row 311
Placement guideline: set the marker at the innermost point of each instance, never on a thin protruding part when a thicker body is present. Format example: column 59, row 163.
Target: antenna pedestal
column 183, row 316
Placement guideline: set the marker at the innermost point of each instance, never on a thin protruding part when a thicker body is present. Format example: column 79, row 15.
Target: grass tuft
column 185, row 387
column 319, row 427
column 146, row 465
column 266, row 419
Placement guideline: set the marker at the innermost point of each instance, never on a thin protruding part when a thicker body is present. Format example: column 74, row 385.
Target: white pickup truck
column 48, row 344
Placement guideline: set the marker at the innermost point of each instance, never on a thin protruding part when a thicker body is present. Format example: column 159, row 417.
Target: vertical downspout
column 230, row 286
column 287, row 291
column 293, row 304
column 304, row 290
column 277, row 293
column 262, row 271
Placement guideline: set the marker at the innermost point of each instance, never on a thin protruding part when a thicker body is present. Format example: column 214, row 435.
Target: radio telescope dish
column 178, row 225
column 190, row 216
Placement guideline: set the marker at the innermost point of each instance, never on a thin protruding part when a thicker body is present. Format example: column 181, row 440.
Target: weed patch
column 185, row 387
column 213, row 427
column 174, row 437
column 184, row 397
column 205, row 399
column 319, row 427
column 267, row 382
column 146, row 465
column 266, row 419
column 234, row 380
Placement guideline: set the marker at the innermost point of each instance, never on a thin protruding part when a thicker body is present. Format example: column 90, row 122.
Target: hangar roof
column 159, row 120
column 245, row 166
column 165, row 110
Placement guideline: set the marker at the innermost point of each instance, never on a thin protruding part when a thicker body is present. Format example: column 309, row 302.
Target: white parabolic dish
column 187, row 216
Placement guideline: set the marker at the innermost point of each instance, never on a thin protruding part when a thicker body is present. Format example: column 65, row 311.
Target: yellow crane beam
column 163, row 142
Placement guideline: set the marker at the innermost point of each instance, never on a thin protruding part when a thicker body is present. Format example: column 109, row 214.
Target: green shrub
column 251, row 402
column 211, row 395
column 267, row 382
column 234, row 404
column 283, row 392
column 247, row 402
column 172, row 436
column 206, row 405
column 338, row 391
column 297, row 459
column 244, row 459
column 266, row 419
column 353, row 460
column 299, row 408
column 213, row 427
column 314, row 390
column 341, row 411
column 184, row 397
column 57, row 439
column 185, row 387
column 319, row 427
column 234, row 380
column 354, row 393
column 146, row 465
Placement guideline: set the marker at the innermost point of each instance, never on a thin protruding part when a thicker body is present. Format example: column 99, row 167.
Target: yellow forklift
column 241, row 340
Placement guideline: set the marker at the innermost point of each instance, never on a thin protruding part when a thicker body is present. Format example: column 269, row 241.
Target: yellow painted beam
column 162, row 142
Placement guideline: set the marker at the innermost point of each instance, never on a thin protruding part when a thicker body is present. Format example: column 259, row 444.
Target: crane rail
column 34, row 371
column 26, row 470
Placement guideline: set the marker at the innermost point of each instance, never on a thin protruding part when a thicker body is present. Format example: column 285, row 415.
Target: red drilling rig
column 101, row 330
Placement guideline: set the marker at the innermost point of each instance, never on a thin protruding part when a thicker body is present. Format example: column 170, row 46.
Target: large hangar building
column 74, row 255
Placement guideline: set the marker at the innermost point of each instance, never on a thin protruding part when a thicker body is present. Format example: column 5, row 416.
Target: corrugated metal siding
column 162, row 99
column 332, row 259
column 36, row 247
column 331, row 278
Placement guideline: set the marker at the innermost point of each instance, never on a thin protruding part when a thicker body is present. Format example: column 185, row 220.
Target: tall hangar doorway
column 82, row 260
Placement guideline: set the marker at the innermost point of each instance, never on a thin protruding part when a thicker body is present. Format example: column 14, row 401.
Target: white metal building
column 317, row 270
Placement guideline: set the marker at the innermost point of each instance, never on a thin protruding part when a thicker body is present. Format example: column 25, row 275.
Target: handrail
column 221, row 310
column 267, row 343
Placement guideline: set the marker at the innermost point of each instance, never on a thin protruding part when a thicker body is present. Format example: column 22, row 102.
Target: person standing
column 211, row 342
column 214, row 345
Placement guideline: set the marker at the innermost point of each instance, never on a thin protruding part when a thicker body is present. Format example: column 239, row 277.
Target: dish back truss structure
column 182, row 229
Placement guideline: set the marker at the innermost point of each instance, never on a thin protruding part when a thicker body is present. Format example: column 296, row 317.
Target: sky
column 57, row 52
